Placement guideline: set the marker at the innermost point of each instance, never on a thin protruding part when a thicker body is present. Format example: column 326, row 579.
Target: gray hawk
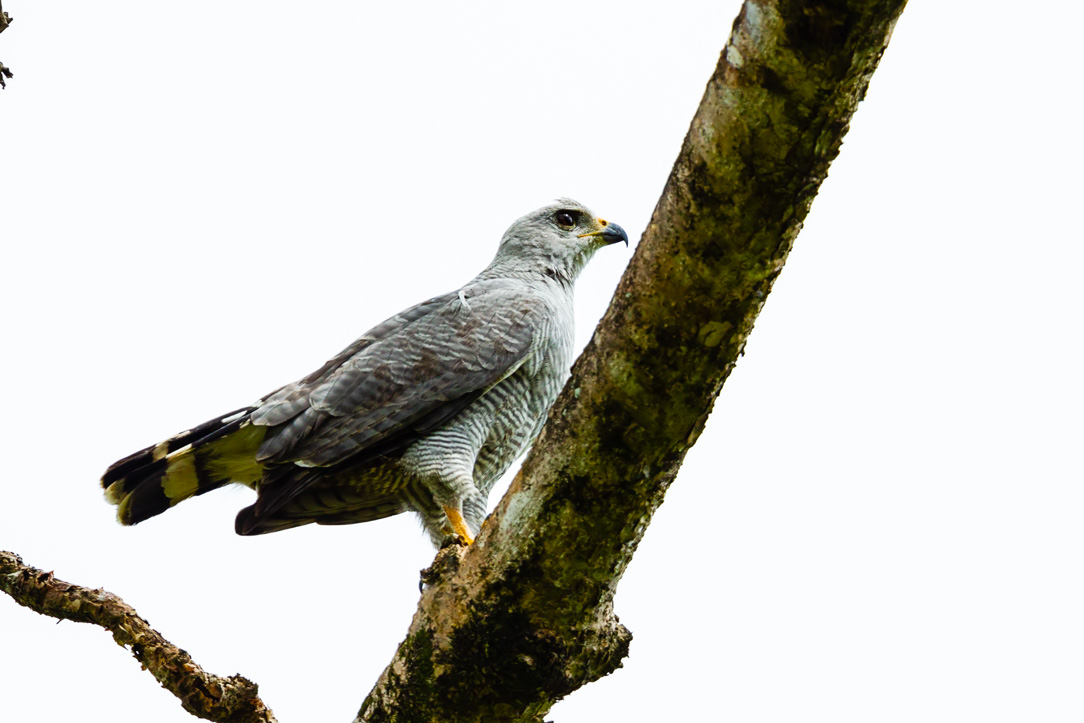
column 424, row 412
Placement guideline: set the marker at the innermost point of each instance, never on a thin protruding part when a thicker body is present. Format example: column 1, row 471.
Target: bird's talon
column 459, row 525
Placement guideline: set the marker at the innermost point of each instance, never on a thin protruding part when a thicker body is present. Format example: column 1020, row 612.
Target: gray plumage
column 424, row 412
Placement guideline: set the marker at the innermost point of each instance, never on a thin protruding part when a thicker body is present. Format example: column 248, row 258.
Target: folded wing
column 401, row 380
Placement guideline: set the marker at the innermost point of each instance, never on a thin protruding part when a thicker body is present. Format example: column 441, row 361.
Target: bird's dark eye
column 566, row 218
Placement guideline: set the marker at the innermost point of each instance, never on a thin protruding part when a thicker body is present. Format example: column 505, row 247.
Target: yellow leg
column 458, row 525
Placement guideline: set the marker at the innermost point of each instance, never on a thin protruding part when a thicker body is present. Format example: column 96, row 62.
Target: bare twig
column 5, row 21
column 207, row 696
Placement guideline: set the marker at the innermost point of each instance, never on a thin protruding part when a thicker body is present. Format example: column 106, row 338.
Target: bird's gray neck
column 564, row 270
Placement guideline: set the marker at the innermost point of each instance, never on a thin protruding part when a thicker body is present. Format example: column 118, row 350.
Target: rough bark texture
column 524, row 616
column 5, row 21
column 229, row 700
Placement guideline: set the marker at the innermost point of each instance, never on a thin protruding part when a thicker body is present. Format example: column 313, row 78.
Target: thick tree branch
column 5, row 21
column 229, row 700
column 524, row 616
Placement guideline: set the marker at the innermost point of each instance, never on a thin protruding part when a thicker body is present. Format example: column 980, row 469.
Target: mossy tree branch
column 207, row 696
column 524, row 616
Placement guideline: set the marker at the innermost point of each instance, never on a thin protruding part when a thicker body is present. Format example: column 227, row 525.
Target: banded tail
column 191, row 463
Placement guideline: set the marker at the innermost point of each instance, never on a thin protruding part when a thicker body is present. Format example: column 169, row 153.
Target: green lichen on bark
column 496, row 661
column 541, row 577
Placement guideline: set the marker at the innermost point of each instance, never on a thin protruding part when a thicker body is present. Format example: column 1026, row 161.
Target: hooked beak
column 610, row 233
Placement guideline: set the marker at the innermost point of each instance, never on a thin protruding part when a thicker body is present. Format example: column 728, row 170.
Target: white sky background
column 882, row 520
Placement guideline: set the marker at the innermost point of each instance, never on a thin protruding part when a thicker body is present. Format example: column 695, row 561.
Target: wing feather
column 404, row 377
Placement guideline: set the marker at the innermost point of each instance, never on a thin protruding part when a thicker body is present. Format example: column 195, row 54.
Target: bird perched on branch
column 424, row 412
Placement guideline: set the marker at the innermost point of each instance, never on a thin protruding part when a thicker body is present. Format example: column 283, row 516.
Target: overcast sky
column 882, row 520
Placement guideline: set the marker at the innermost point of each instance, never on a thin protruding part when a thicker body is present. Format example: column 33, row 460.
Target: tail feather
column 156, row 453
column 290, row 496
column 191, row 463
column 249, row 522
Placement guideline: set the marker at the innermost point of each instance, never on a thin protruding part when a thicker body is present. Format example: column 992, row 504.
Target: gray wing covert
column 287, row 402
column 403, row 378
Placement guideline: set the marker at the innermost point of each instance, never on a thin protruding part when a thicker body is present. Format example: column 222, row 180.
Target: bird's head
column 556, row 240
